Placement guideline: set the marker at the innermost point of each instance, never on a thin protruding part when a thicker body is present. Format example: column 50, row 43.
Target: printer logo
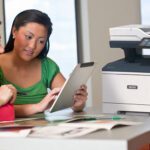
column 134, row 87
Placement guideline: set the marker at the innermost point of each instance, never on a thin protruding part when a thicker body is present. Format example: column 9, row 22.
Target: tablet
column 79, row 76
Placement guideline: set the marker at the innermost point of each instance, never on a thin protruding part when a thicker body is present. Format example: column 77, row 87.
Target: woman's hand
column 48, row 100
column 80, row 98
column 31, row 109
column 1, row 48
column 14, row 92
column 7, row 94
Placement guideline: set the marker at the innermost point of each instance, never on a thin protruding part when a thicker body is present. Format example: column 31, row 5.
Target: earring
column 13, row 36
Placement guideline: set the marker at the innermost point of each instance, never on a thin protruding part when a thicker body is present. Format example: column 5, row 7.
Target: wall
column 96, row 16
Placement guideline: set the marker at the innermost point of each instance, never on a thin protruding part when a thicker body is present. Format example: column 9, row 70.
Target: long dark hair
column 28, row 16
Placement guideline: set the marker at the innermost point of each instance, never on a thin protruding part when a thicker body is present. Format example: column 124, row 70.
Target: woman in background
column 7, row 98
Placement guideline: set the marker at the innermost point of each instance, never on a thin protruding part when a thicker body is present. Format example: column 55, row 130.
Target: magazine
column 78, row 127
column 59, row 131
column 101, row 124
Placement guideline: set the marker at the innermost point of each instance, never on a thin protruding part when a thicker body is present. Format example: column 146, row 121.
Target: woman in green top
column 25, row 65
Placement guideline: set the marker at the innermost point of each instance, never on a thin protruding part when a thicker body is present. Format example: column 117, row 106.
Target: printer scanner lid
column 135, row 32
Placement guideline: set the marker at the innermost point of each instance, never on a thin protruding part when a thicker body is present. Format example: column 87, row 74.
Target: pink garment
column 7, row 112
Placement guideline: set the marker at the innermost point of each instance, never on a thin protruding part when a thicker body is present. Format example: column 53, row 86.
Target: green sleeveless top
column 36, row 92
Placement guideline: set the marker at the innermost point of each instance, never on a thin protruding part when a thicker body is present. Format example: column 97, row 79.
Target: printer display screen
column 145, row 43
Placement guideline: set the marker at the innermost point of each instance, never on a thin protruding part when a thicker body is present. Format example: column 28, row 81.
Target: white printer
column 126, row 82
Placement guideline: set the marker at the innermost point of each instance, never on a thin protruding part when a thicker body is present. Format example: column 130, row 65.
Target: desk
column 124, row 138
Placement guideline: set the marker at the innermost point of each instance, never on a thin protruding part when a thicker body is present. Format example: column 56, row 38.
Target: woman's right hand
column 48, row 100
column 7, row 94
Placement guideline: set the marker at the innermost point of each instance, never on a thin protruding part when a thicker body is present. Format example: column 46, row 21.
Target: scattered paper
column 15, row 130
column 15, row 133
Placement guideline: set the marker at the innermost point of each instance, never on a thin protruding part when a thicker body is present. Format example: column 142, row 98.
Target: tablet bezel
column 79, row 76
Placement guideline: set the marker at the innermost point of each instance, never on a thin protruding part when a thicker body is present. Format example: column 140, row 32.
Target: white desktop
column 126, row 82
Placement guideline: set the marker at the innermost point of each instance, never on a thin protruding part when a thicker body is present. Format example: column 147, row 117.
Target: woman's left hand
column 80, row 98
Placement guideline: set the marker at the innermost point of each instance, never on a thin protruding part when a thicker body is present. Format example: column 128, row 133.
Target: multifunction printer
column 126, row 82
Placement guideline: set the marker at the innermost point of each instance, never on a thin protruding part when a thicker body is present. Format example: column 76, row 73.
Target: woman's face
column 29, row 40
